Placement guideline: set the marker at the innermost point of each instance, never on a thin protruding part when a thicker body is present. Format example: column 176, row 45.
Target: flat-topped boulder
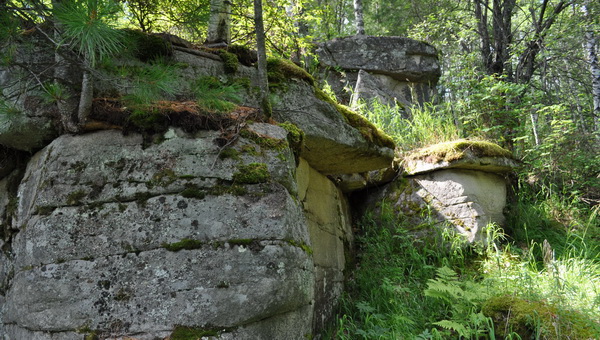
column 399, row 57
column 457, row 184
column 461, row 154
column 393, row 70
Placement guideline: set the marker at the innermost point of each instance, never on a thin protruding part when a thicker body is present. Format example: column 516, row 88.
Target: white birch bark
column 358, row 16
column 219, row 22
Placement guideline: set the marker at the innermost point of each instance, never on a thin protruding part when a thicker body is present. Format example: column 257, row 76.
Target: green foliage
column 409, row 287
column 54, row 92
column 7, row 110
column 213, row 95
column 424, row 125
column 88, row 26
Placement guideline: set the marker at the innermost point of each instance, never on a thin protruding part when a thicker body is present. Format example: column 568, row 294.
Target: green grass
column 405, row 287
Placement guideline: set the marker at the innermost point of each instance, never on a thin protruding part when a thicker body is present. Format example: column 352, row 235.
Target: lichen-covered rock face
column 401, row 58
column 393, row 70
column 123, row 240
column 469, row 200
column 332, row 146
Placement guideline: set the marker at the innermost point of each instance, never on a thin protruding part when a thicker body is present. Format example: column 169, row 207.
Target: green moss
column 230, row 61
column 163, row 178
column 369, row 131
column 75, row 197
column 190, row 333
column 280, row 70
column 295, row 136
column 245, row 55
column 186, row 243
column 455, row 150
column 252, row 173
column 193, row 192
column 149, row 120
column 240, row 241
column 265, row 142
column 44, row 210
column 250, row 149
column 305, row 247
column 229, row 153
column 538, row 319
column 78, row 166
column 147, row 47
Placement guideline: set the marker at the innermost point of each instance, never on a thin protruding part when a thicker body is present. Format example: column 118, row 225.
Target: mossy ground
column 536, row 319
column 456, row 150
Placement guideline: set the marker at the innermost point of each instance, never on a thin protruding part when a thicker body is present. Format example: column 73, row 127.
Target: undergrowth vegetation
column 538, row 277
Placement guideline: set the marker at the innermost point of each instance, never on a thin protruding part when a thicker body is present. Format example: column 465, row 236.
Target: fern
column 454, row 326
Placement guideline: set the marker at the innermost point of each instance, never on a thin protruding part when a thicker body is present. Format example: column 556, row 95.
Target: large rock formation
column 459, row 184
column 193, row 222
column 394, row 70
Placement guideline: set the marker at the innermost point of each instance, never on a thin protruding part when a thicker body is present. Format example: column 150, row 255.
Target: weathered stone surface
column 352, row 182
column 395, row 71
column 332, row 146
column 99, row 217
column 469, row 162
column 328, row 216
column 467, row 199
column 401, row 58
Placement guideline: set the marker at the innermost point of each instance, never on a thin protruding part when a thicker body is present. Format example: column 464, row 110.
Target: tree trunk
column 219, row 22
column 358, row 16
column 592, row 55
column 262, row 59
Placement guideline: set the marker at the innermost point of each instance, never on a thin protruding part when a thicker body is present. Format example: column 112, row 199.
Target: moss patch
column 265, row 142
column 252, row 173
column 537, row 319
column 456, row 150
column 229, row 153
column 280, row 70
column 369, row 131
column 75, row 197
column 230, row 61
column 148, row 47
column 192, row 333
column 295, row 136
column 186, row 243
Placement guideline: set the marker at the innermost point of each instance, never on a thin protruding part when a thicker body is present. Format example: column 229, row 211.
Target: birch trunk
column 358, row 16
column 592, row 55
column 219, row 22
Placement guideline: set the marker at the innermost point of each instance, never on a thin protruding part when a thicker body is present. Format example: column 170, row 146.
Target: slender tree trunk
column 219, row 22
column 592, row 55
column 262, row 58
column 358, row 16
column 85, row 98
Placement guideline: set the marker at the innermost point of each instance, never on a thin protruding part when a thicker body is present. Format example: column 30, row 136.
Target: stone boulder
column 125, row 241
column 395, row 70
column 460, row 184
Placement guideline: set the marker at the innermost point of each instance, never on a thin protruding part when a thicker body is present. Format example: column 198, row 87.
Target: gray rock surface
column 467, row 200
column 396, row 71
column 99, row 217
column 332, row 146
column 399, row 57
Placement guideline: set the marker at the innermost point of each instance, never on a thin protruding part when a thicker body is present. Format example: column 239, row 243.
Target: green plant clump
column 253, row 173
column 186, row 243
column 148, row 47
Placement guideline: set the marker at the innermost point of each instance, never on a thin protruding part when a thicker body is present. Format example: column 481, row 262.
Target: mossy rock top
column 460, row 154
